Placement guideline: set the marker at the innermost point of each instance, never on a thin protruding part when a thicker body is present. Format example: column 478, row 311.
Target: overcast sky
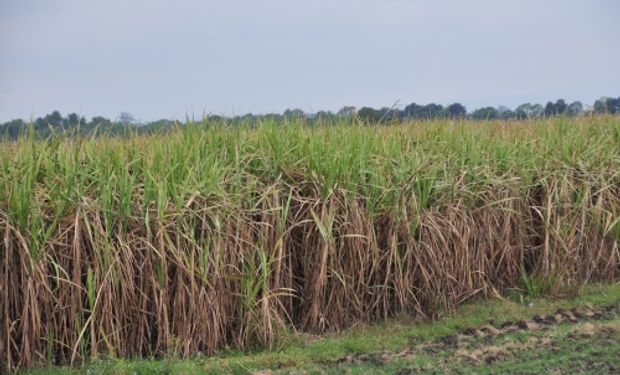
column 165, row 59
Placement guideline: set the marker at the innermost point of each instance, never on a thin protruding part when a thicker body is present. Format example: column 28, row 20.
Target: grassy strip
column 304, row 351
column 560, row 349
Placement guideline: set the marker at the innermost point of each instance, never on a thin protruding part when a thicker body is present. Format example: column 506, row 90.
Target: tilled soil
column 584, row 339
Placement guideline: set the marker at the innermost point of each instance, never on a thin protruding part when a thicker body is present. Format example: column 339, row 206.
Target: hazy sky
column 165, row 59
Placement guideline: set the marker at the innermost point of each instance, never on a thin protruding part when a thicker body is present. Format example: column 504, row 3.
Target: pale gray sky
column 166, row 59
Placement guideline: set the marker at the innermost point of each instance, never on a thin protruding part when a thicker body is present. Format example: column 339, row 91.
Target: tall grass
column 211, row 236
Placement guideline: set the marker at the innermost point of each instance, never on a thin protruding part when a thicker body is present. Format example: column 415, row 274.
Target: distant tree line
column 457, row 110
column 55, row 123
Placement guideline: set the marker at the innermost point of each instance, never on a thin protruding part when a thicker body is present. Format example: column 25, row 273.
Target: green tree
column 550, row 109
column 524, row 111
column 369, row 115
column 456, row 110
column 574, row 109
column 486, row 113
column 413, row 110
column 347, row 111
column 613, row 105
column 560, row 107
column 600, row 106
column 126, row 118
column 13, row 128
column 293, row 113
column 433, row 110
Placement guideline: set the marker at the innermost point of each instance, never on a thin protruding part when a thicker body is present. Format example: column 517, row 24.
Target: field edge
column 305, row 351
